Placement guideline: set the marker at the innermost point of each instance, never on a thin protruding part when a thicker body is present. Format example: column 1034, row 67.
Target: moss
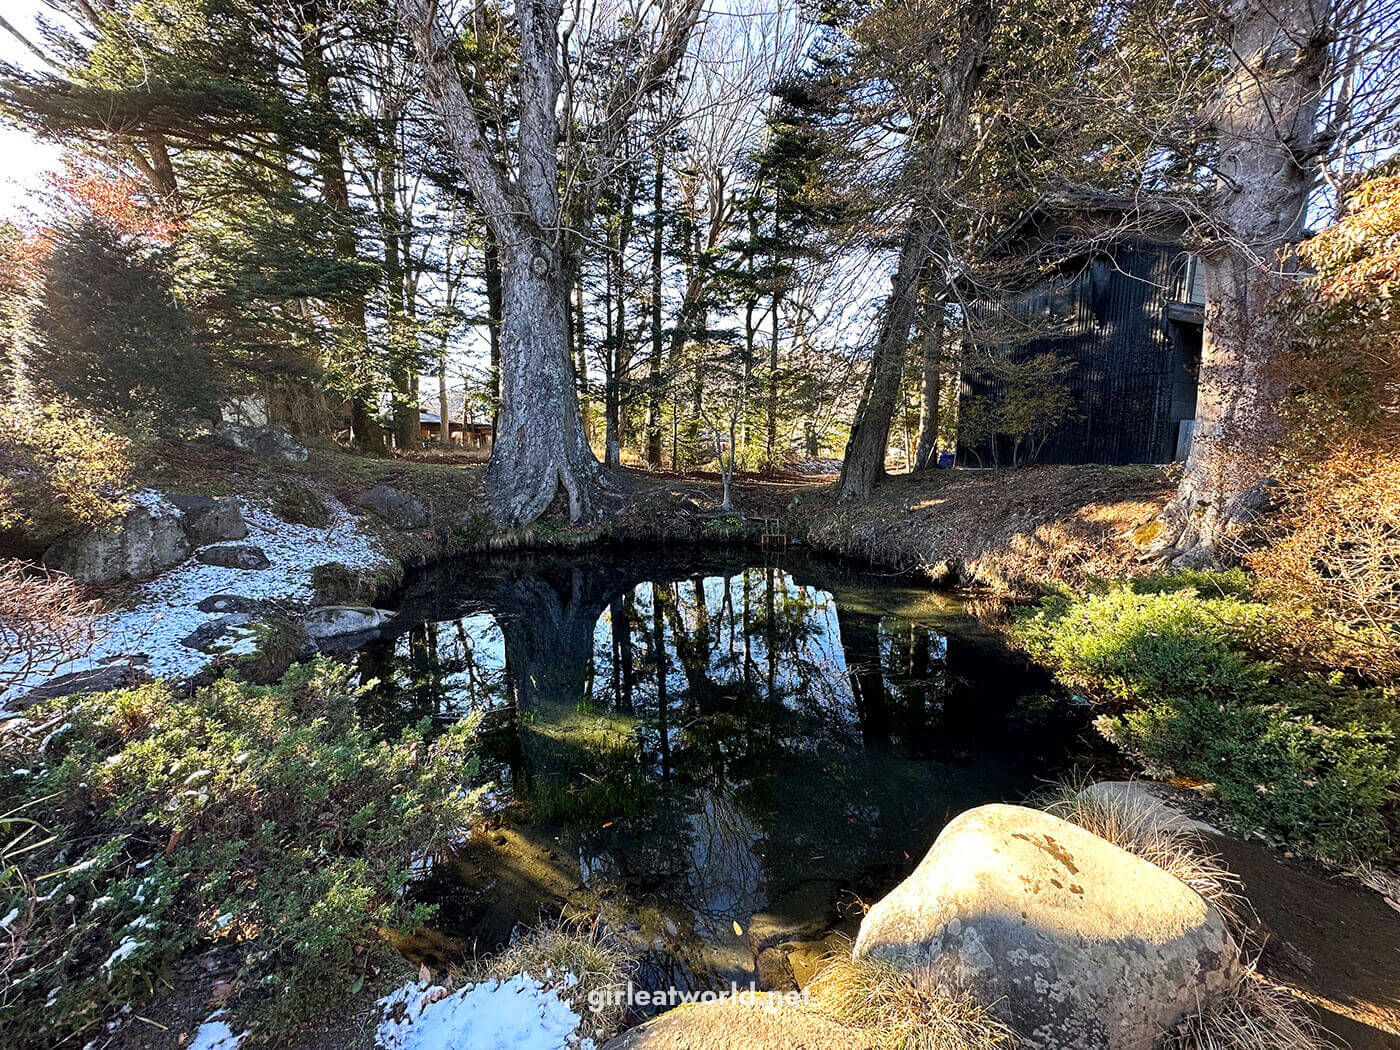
column 297, row 503
column 280, row 643
column 337, row 584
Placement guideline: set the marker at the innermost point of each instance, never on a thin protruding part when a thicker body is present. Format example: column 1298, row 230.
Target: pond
column 722, row 758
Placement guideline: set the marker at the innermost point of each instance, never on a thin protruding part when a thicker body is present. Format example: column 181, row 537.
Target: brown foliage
column 1335, row 546
column 44, row 621
column 1332, row 549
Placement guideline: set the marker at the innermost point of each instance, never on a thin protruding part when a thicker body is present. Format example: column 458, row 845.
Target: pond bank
column 1011, row 533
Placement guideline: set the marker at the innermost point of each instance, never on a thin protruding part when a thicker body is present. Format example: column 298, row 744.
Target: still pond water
column 721, row 758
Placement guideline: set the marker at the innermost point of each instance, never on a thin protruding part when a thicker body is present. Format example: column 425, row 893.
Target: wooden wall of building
column 1133, row 359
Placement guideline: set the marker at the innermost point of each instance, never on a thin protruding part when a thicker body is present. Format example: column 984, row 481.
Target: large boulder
column 1068, row 939
column 339, row 621
column 400, row 510
column 210, row 519
column 267, row 441
column 141, row 543
column 235, row 556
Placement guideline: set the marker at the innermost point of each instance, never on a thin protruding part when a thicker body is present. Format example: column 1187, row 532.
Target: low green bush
column 265, row 820
column 1182, row 666
column 60, row 470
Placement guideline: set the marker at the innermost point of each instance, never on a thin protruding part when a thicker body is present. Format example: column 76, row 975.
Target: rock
column 232, row 603
column 234, row 556
column 207, row 519
column 281, row 642
column 1154, row 805
column 337, row 584
column 397, row 508
column 802, row 914
column 261, row 647
column 268, row 441
column 96, row 680
column 336, row 621
column 138, row 545
column 298, row 503
column 234, row 633
column 747, row 1021
column 1068, row 939
column 772, row 972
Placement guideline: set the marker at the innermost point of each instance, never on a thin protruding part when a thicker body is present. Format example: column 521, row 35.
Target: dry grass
column 596, row 960
column 891, row 1013
column 1177, row 851
column 1254, row 1015
column 1386, row 883
column 1009, row 531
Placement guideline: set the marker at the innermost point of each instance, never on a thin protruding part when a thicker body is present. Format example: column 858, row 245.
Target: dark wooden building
column 1119, row 299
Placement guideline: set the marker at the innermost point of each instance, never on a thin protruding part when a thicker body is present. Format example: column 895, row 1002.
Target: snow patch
column 163, row 610
column 128, row 945
column 216, row 1035
column 519, row 1013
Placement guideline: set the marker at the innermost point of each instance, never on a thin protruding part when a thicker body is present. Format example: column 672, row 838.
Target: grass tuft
column 1253, row 1015
column 1177, row 851
column 584, row 949
column 892, row 1013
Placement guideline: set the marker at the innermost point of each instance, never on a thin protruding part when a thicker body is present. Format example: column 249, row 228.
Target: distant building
column 430, row 426
column 1122, row 301
column 468, row 435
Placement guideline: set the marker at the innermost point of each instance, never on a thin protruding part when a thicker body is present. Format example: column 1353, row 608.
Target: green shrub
column 1296, row 755
column 60, row 470
column 264, row 819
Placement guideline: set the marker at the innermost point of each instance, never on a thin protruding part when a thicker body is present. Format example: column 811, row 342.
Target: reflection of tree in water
column 443, row 670
column 704, row 741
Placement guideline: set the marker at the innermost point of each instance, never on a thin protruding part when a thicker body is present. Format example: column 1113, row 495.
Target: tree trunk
column 540, row 444
column 654, row 369
column 770, row 438
column 444, row 405
column 493, row 324
column 927, row 456
column 579, row 327
column 864, row 464
column 1265, row 119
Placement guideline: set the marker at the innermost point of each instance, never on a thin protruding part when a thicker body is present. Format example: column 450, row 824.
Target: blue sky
column 23, row 159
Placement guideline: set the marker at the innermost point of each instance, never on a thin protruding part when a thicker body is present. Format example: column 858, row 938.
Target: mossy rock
column 280, row 643
column 337, row 584
column 297, row 503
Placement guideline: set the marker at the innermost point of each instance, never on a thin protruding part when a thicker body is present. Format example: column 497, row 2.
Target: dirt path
column 1334, row 942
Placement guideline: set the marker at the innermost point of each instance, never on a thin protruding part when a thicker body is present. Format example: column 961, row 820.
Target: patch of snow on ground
column 519, row 1013
column 216, row 1035
column 162, row 611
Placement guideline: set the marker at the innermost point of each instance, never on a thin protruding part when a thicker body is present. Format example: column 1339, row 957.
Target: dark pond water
column 721, row 758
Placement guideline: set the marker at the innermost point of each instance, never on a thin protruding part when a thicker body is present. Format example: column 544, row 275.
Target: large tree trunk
column 864, row 464
column 1265, row 118
column 927, row 456
column 654, row 368
column 540, row 444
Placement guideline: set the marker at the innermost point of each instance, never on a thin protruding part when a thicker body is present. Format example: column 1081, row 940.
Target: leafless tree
column 533, row 204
